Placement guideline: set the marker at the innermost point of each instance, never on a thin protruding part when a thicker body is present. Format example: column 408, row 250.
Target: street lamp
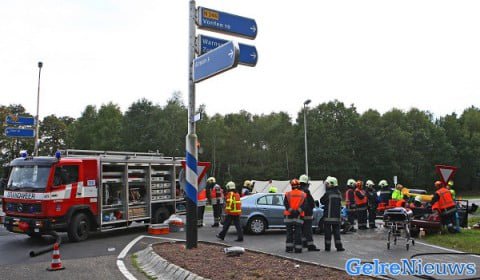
column 37, row 121
column 305, row 127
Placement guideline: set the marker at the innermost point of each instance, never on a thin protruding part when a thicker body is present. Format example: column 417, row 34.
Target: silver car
column 263, row 211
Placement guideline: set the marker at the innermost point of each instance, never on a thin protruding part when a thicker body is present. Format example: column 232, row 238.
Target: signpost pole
column 191, row 186
column 37, row 121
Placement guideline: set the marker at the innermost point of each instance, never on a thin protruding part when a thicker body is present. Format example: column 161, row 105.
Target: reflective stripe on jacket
column 202, row 198
column 216, row 195
column 295, row 199
column 234, row 205
column 397, row 195
column 360, row 197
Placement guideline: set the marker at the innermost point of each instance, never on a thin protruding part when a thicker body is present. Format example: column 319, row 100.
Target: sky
column 374, row 54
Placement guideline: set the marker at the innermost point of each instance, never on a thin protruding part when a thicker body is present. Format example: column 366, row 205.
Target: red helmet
column 294, row 182
column 438, row 184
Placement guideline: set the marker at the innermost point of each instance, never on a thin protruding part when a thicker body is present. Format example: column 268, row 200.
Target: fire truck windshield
column 28, row 178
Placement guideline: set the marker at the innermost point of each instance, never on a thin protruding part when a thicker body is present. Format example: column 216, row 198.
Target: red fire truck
column 84, row 191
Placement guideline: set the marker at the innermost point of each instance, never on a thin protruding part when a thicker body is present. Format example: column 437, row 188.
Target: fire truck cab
column 85, row 191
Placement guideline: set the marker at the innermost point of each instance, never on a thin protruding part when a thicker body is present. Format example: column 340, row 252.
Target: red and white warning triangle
column 446, row 172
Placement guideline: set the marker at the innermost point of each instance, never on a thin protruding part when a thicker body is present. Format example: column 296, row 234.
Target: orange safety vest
column 202, row 198
column 216, row 194
column 234, row 204
column 359, row 201
column 445, row 200
column 295, row 200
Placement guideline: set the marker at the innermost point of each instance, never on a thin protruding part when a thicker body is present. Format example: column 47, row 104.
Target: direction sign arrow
column 226, row 23
column 446, row 172
column 248, row 54
column 17, row 120
column 19, row 132
column 215, row 62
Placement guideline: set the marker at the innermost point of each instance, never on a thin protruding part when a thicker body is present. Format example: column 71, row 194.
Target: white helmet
column 351, row 182
column 230, row 186
column 211, row 180
column 332, row 181
column 247, row 183
column 383, row 183
column 369, row 183
column 303, row 179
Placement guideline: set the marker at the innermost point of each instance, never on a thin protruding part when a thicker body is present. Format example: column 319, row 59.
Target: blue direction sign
column 215, row 62
column 227, row 23
column 248, row 54
column 17, row 120
column 19, row 132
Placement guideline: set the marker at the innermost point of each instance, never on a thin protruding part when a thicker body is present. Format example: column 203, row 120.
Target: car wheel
column 79, row 228
column 257, row 225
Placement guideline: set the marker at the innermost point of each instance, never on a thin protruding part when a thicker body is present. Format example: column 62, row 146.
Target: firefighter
column 350, row 202
column 307, row 232
column 361, row 202
column 450, row 188
column 233, row 210
column 201, row 203
column 332, row 201
column 247, row 188
column 372, row 203
column 443, row 203
column 385, row 192
column 294, row 203
column 215, row 198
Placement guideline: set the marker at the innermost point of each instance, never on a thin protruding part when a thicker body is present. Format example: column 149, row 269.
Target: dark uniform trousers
column 294, row 236
column 307, row 232
column 200, row 212
column 351, row 214
column 217, row 213
column 226, row 225
column 372, row 213
column 362, row 215
column 335, row 229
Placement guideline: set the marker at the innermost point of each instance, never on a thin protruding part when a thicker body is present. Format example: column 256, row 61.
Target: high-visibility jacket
column 202, row 198
column 454, row 194
column 397, row 195
column 445, row 200
column 294, row 200
column 216, row 195
column 234, row 204
column 349, row 197
column 360, row 197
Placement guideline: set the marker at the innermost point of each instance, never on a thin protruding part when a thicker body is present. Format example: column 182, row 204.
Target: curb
column 159, row 268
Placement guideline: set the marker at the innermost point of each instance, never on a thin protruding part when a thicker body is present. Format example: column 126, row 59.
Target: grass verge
column 466, row 241
column 137, row 266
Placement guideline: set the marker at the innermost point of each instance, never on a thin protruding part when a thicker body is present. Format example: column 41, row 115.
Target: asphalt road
column 96, row 257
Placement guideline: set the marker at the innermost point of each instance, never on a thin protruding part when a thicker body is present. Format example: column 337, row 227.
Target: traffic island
column 171, row 260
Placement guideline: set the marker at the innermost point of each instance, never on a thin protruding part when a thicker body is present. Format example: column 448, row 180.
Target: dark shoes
column 215, row 225
column 362, row 228
column 239, row 240
column 298, row 251
column 289, row 250
column 341, row 249
column 219, row 237
column 327, row 249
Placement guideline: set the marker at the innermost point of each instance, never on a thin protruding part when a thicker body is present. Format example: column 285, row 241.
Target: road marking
column 123, row 269
column 442, row 248
column 121, row 266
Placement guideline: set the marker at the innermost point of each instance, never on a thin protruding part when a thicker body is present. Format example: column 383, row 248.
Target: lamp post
column 37, row 121
column 305, row 128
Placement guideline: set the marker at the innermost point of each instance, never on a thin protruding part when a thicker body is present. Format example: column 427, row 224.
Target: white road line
column 129, row 246
column 442, row 248
column 123, row 269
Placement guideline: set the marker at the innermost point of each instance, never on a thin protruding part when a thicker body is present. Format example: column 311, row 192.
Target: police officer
column 307, row 231
column 350, row 203
column 294, row 203
column 372, row 203
column 332, row 201
column 215, row 198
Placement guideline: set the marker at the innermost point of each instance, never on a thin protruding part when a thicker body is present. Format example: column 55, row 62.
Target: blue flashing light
column 23, row 154
column 58, row 154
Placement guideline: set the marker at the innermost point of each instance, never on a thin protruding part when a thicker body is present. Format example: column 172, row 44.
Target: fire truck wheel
column 35, row 235
column 160, row 215
column 79, row 228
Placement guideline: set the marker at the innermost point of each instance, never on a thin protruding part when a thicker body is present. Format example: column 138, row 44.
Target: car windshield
column 26, row 178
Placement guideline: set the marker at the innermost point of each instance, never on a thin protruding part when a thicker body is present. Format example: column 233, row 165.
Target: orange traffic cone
column 56, row 262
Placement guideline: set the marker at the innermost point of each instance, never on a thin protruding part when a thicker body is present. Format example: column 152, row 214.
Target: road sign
column 202, row 169
column 226, row 23
column 18, row 120
column 19, row 132
column 248, row 54
column 446, row 172
column 215, row 62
